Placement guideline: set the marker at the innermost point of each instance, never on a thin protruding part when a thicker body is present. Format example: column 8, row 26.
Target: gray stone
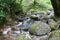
column 37, row 15
column 45, row 37
column 39, row 28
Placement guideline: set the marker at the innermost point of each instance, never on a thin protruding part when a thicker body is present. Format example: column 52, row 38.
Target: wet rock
column 51, row 14
column 37, row 15
column 55, row 35
column 39, row 28
column 27, row 23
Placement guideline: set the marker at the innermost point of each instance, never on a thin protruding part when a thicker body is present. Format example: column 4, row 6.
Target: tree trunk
column 56, row 6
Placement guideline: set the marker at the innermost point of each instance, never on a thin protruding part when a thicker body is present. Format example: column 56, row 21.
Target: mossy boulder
column 55, row 35
column 39, row 28
column 53, row 24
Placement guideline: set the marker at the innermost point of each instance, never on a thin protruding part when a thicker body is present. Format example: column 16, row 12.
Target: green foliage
column 15, row 8
column 2, row 13
column 2, row 17
column 9, row 8
column 46, row 2
column 40, row 5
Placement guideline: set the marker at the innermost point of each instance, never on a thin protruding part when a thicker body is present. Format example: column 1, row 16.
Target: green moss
column 33, row 27
column 55, row 33
column 54, row 25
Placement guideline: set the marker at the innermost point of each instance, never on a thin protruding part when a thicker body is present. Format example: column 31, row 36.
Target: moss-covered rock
column 33, row 27
column 55, row 35
column 53, row 24
column 39, row 28
column 23, row 37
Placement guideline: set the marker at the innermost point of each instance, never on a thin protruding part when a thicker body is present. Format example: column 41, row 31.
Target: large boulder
column 55, row 35
column 39, row 28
